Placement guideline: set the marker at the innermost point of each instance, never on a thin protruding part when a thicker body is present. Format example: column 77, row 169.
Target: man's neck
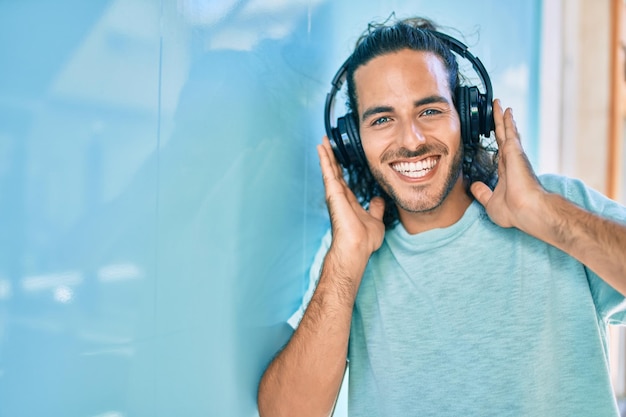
column 446, row 214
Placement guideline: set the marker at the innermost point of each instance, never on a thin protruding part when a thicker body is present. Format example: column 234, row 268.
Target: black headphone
column 474, row 108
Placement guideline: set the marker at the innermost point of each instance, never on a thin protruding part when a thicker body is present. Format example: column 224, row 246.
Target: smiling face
column 411, row 136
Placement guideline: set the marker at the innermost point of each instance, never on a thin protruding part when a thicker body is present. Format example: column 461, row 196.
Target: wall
column 160, row 197
column 575, row 120
column 586, row 84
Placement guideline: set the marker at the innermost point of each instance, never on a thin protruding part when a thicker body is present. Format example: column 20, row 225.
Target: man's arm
column 598, row 243
column 305, row 377
column 520, row 201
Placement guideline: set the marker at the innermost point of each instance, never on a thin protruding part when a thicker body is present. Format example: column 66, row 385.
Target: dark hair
column 480, row 162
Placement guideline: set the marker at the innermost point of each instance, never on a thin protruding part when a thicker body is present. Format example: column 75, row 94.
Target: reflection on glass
column 160, row 196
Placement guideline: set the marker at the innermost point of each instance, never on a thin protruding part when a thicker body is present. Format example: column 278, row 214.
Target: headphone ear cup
column 471, row 112
column 337, row 139
column 474, row 113
column 346, row 142
column 357, row 155
column 461, row 94
column 486, row 116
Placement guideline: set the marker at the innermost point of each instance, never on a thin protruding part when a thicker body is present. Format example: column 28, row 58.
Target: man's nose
column 412, row 135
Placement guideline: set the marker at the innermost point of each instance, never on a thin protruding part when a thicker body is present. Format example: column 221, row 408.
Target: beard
column 422, row 198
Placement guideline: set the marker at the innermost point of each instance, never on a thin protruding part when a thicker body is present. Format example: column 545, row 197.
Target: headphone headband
column 474, row 108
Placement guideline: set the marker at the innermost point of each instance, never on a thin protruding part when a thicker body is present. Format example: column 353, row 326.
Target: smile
column 416, row 169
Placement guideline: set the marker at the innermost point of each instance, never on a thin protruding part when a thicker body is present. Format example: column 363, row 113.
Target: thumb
column 481, row 192
column 377, row 208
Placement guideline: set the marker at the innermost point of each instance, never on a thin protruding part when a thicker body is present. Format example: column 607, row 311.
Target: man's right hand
column 356, row 231
column 305, row 377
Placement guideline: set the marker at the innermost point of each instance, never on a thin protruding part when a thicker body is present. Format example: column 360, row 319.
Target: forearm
column 598, row 243
column 305, row 377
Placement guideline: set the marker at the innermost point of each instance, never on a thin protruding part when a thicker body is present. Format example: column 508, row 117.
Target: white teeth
column 415, row 169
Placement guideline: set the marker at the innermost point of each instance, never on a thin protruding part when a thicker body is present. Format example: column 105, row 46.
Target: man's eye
column 380, row 121
column 431, row 112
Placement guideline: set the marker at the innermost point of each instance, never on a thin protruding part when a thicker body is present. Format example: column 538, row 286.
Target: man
column 468, row 300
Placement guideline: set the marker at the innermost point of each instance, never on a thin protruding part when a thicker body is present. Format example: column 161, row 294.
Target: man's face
column 409, row 128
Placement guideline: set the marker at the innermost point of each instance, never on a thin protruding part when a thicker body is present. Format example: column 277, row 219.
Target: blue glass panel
column 160, row 196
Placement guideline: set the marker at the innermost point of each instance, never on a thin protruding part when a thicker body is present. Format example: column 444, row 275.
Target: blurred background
column 160, row 195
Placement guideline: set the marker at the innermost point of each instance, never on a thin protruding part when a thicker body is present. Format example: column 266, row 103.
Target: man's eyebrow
column 375, row 110
column 421, row 102
column 431, row 99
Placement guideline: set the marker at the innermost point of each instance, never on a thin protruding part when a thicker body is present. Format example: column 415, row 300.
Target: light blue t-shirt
column 478, row 320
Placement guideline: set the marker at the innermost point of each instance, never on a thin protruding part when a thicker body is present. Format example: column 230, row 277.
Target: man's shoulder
column 556, row 183
column 577, row 191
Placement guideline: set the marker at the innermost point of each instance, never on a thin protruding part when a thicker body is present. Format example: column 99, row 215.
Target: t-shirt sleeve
column 314, row 276
column 610, row 304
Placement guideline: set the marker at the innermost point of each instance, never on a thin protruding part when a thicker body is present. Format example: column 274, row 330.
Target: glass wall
column 160, row 196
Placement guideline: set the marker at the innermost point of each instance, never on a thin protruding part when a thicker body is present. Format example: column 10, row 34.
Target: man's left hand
column 518, row 193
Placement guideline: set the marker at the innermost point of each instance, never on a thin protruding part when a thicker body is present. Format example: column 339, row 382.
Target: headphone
column 474, row 108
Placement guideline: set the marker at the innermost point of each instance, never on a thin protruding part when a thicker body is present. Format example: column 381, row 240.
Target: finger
column 481, row 192
column 328, row 162
column 332, row 175
column 498, row 121
column 377, row 208
column 338, row 170
column 510, row 126
column 329, row 175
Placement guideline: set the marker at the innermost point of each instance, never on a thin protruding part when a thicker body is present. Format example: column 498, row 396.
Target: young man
column 448, row 296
